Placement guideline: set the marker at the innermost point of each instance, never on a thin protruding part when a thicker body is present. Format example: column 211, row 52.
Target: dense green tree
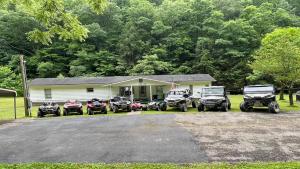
column 217, row 37
column 54, row 19
column 151, row 65
column 9, row 80
column 279, row 56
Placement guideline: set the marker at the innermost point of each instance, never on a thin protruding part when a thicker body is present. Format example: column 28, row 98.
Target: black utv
column 49, row 108
column 258, row 96
column 177, row 98
column 214, row 98
column 120, row 104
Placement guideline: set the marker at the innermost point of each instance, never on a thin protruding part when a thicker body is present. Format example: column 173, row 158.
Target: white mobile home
column 136, row 87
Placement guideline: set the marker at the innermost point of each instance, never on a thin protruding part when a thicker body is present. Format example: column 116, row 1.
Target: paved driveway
column 137, row 138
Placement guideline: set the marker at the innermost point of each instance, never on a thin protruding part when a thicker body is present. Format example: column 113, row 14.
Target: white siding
column 64, row 93
column 79, row 92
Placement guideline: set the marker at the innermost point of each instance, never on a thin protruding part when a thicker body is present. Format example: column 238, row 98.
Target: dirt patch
column 237, row 137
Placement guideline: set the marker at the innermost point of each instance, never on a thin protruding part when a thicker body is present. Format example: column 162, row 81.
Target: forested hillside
column 134, row 37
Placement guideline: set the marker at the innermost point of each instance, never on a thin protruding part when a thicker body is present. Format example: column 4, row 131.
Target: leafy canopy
column 54, row 18
column 279, row 56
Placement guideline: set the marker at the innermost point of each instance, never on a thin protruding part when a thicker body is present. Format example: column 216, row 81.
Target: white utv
column 177, row 98
column 258, row 96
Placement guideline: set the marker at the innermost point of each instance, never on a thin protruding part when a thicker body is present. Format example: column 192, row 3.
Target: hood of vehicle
column 213, row 98
column 174, row 97
column 47, row 107
column 72, row 105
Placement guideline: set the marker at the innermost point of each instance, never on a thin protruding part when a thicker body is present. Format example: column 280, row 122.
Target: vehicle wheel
column 89, row 112
column 225, row 107
column 194, row 105
column 145, row 108
column 58, row 112
column 229, row 107
column 40, row 114
column 201, row 108
column 105, row 111
column 183, row 107
column 163, row 107
column 115, row 109
column 110, row 108
column 129, row 109
column 65, row 113
column 274, row 107
column 244, row 107
column 80, row 112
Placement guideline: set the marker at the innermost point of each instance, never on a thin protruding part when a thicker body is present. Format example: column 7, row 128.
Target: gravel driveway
column 135, row 138
column 237, row 137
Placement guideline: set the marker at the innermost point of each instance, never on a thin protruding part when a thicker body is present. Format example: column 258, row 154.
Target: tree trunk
column 281, row 94
column 291, row 97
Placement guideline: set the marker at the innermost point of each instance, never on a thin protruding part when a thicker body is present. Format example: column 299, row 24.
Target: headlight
column 128, row 102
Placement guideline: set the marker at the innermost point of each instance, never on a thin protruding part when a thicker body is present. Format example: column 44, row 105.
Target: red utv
column 96, row 106
column 139, row 105
column 73, row 106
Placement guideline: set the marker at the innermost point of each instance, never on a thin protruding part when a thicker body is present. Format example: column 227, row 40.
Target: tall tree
column 279, row 56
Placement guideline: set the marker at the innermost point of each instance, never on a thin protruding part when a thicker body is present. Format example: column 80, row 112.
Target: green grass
column 7, row 110
column 283, row 165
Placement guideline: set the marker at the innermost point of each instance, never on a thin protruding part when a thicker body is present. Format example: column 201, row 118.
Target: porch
column 141, row 89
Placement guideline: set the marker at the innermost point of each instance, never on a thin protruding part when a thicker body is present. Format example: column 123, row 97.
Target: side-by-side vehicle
column 214, row 98
column 258, row 96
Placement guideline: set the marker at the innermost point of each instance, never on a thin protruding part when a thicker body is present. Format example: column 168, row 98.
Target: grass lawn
column 7, row 111
column 287, row 165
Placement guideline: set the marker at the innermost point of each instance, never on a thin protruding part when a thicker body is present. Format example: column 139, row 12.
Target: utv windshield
column 176, row 93
column 213, row 91
column 260, row 89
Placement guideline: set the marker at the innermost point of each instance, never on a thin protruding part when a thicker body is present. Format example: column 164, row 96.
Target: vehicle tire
column 244, row 107
column 224, row 107
column 274, row 107
column 183, row 107
column 163, row 107
column 115, row 109
column 194, row 105
column 229, row 107
column 65, row 113
column 104, row 111
column 89, row 112
column 40, row 114
column 145, row 108
column 129, row 109
column 201, row 108
column 80, row 112
column 58, row 112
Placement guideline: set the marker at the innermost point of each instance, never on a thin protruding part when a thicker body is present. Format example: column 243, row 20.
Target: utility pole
column 25, row 87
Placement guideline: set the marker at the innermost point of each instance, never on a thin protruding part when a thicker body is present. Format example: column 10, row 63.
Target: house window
column 90, row 90
column 48, row 94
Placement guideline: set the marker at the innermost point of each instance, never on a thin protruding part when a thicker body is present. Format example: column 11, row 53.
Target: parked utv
column 214, row 98
column 177, row 99
column 73, row 106
column 260, row 96
column 120, row 104
column 48, row 108
column 96, row 106
column 155, row 105
column 139, row 105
